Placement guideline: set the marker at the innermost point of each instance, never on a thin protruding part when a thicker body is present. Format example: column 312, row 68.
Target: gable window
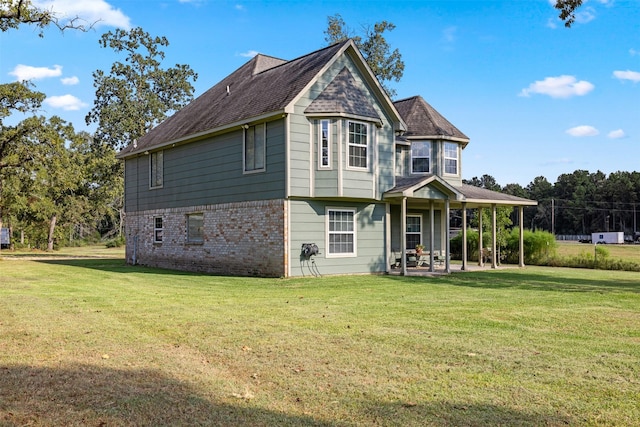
column 414, row 231
column 357, row 145
column 420, row 157
column 341, row 232
column 325, row 145
column 157, row 229
column 451, row 158
column 156, row 169
column 254, row 148
column 195, row 228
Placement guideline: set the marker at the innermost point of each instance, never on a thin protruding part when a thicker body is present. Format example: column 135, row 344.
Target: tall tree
column 138, row 93
column 387, row 65
column 14, row 13
column 17, row 144
column 567, row 10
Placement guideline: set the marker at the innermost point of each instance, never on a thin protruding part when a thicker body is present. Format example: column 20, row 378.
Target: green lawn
column 95, row 342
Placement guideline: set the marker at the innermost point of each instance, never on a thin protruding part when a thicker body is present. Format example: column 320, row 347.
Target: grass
column 95, row 342
column 625, row 252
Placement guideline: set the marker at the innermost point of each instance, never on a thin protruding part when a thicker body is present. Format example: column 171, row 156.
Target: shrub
column 116, row 242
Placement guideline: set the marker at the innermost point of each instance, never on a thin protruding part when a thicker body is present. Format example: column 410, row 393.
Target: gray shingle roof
column 262, row 85
column 344, row 97
column 424, row 121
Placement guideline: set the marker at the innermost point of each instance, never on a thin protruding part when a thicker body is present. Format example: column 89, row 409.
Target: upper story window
column 156, row 169
column 451, row 158
column 358, row 145
column 255, row 148
column 325, row 144
column 420, row 157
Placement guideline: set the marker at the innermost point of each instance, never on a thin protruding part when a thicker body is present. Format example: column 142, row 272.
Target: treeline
column 578, row 203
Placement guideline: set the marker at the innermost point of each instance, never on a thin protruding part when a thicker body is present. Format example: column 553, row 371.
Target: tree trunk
column 52, row 227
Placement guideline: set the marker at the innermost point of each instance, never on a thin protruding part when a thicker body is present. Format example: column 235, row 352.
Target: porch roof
column 471, row 195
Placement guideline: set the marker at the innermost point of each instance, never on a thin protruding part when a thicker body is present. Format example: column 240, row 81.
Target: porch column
column 447, row 233
column 480, row 244
column 521, row 221
column 403, row 235
column 464, row 236
column 387, row 235
column 431, row 237
column 494, row 237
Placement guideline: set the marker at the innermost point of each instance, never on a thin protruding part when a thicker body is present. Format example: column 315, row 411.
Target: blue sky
column 535, row 98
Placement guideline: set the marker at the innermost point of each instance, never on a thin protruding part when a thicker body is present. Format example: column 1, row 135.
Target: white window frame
column 251, row 147
column 414, row 233
column 199, row 238
column 456, row 158
column 359, row 146
column 158, row 232
column 324, row 144
column 329, row 232
column 428, row 156
column 156, row 169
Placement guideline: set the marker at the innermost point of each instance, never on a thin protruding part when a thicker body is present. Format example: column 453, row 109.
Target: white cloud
column 634, row 76
column 70, row 81
column 66, row 102
column 585, row 15
column 449, row 34
column 616, row 134
column 584, row 130
column 634, row 52
column 559, row 87
column 239, row 7
column 249, row 53
column 96, row 12
column 27, row 72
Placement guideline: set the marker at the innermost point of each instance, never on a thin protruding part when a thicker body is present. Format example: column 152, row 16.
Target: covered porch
column 431, row 197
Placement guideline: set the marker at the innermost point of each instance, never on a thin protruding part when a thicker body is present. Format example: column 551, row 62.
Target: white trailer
column 609, row 237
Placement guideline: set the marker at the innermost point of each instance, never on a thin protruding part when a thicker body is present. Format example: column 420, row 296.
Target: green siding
column 396, row 235
column 209, row 171
column 308, row 225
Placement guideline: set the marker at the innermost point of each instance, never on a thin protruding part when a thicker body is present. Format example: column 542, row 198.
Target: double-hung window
column 157, row 229
column 414, row 231
column 358, row 145
column 324, row 152
column 420, row 156
column 195, row 228
column 451, row 158
column 255, row 148
column 341, row 234
column 156, row 169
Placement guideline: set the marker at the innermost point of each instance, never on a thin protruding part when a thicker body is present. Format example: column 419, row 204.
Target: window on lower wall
column 255, row 148
column 341, row 234
column 414, row 231
column 195, row 228
column 156, row 166
column 157, row 229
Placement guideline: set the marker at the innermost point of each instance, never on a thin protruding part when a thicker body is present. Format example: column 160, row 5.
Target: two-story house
column 283, row 156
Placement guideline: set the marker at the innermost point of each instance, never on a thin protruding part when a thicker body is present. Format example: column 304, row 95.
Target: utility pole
column 553, row 217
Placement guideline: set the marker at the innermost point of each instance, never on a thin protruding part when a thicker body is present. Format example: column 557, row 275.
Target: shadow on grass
column 462, row 414
column 98, row 396
column 113, row 266
column 103, row 396
column 544, row 281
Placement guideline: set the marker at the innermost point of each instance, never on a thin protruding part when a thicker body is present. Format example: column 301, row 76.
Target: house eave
column 204, row 134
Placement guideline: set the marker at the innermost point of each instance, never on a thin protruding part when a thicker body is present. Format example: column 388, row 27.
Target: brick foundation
column 240, row 239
